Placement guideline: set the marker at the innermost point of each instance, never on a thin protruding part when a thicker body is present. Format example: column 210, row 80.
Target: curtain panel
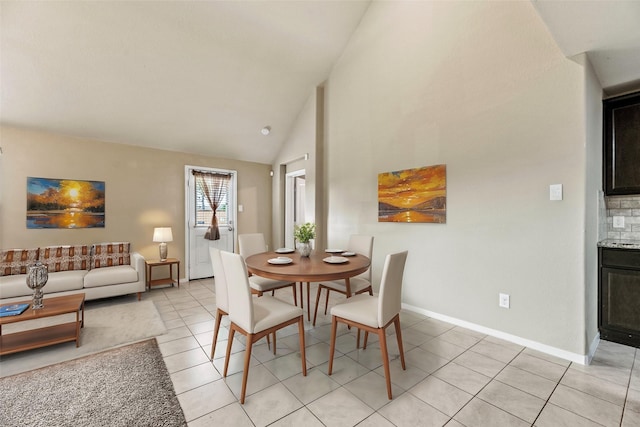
column 214, row 187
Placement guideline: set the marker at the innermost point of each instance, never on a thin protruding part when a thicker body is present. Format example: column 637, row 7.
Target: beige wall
column 500, row 105
column 144, row 189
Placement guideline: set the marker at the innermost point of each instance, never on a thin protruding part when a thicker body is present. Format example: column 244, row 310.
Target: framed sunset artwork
column 413, row 195
column 65, row 203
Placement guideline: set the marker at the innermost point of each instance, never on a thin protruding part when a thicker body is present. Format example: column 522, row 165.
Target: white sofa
column 101, row 270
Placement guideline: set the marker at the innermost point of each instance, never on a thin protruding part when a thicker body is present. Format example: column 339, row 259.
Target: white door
column 294, row 204
column 198, row 213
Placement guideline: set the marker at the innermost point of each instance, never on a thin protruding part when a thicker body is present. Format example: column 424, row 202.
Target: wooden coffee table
column 49, row 335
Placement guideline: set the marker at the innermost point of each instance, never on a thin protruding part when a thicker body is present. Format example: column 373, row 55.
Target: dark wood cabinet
column 619, row 295
column 621, row 126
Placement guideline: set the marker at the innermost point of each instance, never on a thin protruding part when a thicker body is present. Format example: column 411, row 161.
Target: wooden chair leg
column 274, row 342
column 295, row 295
column 385, row 359
column 396, row 322
column 332, row 349
column 301, row 298
column 247, row 359
column 326, row 302
column 366, row 337
column 308, row 298
column 358, row 339
column 215, row 332
column 229, row 343
column 315, row 313
column 303, row 355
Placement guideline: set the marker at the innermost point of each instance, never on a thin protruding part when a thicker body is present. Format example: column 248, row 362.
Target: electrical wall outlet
column 504, row 300
column 618, row 222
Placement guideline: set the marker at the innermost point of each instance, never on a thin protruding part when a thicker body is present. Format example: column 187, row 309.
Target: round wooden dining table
column 309, row 269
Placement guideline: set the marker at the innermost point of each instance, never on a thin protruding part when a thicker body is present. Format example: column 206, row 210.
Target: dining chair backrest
column 390, row 297
column 362, row 245
column 219, row 279
column 239, row 291
column 251, row 244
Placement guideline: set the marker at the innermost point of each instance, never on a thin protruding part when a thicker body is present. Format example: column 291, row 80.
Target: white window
column 218, row 185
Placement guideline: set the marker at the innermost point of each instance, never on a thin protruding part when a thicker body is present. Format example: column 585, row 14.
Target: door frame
column 187, row 223
column 289, row 205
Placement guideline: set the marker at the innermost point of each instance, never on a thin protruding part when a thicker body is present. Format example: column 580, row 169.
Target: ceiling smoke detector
column 266, row 130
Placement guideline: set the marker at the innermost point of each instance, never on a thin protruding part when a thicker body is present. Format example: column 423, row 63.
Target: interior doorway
column 198, row 213
column 294, row 204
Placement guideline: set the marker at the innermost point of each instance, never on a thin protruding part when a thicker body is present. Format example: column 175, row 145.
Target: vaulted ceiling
column 206, row 76
column 196, row 76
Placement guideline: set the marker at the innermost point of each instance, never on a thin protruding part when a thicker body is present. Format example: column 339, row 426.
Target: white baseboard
column 582, row 359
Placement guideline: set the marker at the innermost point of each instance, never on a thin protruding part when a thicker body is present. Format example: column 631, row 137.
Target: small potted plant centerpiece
column 303, row 234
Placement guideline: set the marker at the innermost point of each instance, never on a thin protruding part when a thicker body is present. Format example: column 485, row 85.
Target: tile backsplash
column 629, row 208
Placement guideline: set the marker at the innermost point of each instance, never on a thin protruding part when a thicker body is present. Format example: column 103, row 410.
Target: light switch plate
column 555, row 192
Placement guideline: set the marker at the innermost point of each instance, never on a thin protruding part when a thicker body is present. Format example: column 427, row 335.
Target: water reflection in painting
column 65, row 203
column 413, row 195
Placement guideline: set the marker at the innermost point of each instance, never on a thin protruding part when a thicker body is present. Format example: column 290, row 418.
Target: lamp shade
column 162, row 234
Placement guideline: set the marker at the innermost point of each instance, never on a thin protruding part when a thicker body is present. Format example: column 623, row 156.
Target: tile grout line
column 626, row 395
column 493, row 378
column 483, row 387
column 551, row 394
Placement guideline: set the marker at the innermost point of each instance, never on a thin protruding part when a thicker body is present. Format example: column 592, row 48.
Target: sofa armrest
column 137, row 262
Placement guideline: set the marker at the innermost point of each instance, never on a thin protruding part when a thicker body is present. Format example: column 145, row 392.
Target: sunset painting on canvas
column 65, row 203
column 413, row 195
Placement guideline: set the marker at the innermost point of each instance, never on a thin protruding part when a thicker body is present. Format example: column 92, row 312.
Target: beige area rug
column 107, row 324
column 127, row 386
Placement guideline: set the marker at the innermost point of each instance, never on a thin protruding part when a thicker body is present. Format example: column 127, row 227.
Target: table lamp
column 162, row 235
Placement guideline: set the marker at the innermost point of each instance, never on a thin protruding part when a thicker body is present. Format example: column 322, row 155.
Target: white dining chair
column 254, row 243
column 375, row 313
column 258, row 320
column 222, row 300
column 359, row 284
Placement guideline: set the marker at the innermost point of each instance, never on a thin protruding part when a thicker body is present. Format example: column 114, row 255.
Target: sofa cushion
column 15, row 261
column 110, row 276
column 65, row 258
column 16, row 285
column 110, row 254
column 64, row 281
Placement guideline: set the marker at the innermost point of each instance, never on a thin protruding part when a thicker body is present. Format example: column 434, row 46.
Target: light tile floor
column 454, row 377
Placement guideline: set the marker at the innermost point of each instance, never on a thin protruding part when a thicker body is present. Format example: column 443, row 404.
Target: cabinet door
column 622, row 144
column 620, row 305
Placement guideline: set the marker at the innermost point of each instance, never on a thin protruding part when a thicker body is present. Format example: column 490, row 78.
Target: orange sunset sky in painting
column 65, row 203
column 412, row 187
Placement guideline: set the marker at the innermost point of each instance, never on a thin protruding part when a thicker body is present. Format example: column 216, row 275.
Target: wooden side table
column 165, row 280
